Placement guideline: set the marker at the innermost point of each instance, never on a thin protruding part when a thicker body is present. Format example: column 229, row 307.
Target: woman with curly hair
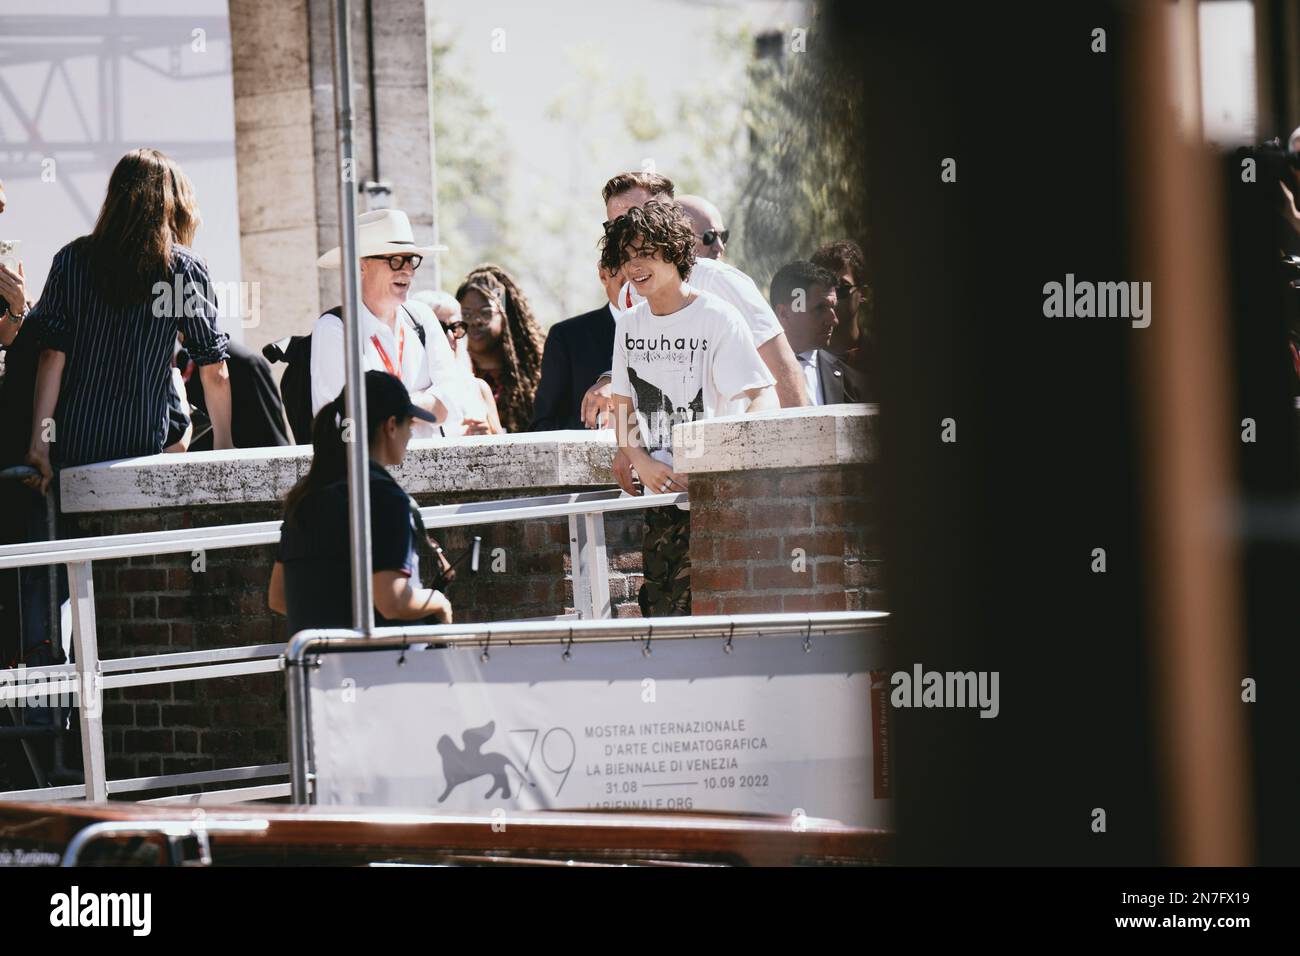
column 505, row 341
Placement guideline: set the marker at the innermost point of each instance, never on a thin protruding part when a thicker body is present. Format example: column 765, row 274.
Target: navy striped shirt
column 117, row 376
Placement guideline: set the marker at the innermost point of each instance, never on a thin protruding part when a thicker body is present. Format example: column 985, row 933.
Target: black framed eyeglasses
column 396, row 263
column 455, row 329
column 844, row 290
column 711, row 235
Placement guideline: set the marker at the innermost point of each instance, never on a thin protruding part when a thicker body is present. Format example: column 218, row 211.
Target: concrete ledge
column 784, row 438
column 251, row 475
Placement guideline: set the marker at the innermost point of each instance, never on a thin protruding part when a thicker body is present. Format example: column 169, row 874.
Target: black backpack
column 295, row 385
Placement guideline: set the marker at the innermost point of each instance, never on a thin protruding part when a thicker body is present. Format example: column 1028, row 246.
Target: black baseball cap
column 387, row 397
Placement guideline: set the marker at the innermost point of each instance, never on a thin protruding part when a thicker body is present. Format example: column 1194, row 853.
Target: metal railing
column 90, row 676
column 186, row 840
column 21, row 730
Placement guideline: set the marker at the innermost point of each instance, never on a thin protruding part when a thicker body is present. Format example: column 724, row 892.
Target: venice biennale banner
column 776, row 725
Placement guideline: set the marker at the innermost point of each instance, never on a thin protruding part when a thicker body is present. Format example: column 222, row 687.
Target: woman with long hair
column 505, row 341
column 107, row 323
column 310, row 582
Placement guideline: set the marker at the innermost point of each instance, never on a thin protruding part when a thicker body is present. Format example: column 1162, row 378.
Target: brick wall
column 158, row 604
column 785, row 540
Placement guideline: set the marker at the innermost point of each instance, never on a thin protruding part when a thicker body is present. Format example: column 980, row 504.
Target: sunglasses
column 712, row 234
column 397, row 263
column 846, row 290
column 456, row 329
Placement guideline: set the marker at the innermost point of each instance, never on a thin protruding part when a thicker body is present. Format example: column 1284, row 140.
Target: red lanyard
column 401, row 347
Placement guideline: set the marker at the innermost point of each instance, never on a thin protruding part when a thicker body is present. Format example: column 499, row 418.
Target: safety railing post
column 81, row 587
column 578, row 568
column 596, row 564
column 354, row 378
column 295, row 675
column 52, row 573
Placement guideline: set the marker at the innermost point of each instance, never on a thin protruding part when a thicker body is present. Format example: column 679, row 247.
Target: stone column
column 402, row 100
column 285, row 152
column 273, row 153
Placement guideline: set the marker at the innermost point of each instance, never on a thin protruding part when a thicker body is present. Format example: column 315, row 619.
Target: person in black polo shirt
column 311, row 582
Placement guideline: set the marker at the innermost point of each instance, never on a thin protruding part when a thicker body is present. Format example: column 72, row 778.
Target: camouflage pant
column 666, row 563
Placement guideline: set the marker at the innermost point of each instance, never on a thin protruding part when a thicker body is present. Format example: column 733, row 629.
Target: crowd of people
column 95, row 370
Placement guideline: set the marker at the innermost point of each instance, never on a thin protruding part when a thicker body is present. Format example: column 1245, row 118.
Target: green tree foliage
column 474, row 169
column 806, row 168
column 761, row 125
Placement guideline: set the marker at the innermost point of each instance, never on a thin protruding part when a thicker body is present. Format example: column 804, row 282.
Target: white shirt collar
column 373, row 320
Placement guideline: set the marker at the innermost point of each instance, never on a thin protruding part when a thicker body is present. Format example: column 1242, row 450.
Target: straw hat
column 383, row 232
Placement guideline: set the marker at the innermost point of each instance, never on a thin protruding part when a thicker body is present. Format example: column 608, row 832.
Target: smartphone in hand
column 9, row 253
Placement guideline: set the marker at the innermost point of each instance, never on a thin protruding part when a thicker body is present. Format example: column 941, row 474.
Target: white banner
column 768, row 728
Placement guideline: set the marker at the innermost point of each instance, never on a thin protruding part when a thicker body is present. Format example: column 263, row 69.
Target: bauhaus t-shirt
column 695, row 363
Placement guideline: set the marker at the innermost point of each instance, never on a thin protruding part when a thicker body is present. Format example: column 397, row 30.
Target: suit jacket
column 578, row 350
column 841, row 383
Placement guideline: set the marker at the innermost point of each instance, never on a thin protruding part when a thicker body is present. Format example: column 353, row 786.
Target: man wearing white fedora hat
column 390, row 341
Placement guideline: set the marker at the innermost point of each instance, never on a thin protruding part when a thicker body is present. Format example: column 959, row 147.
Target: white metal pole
column 81, row 585
column 363, row 603
column 295, row 676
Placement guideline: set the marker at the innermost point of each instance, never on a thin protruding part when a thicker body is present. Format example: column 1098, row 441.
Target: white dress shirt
column 430, row 368
column 808, row 363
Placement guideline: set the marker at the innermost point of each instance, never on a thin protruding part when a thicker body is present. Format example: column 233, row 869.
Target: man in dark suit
column 578, row 351
column 844, row 259
column 803, row 296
